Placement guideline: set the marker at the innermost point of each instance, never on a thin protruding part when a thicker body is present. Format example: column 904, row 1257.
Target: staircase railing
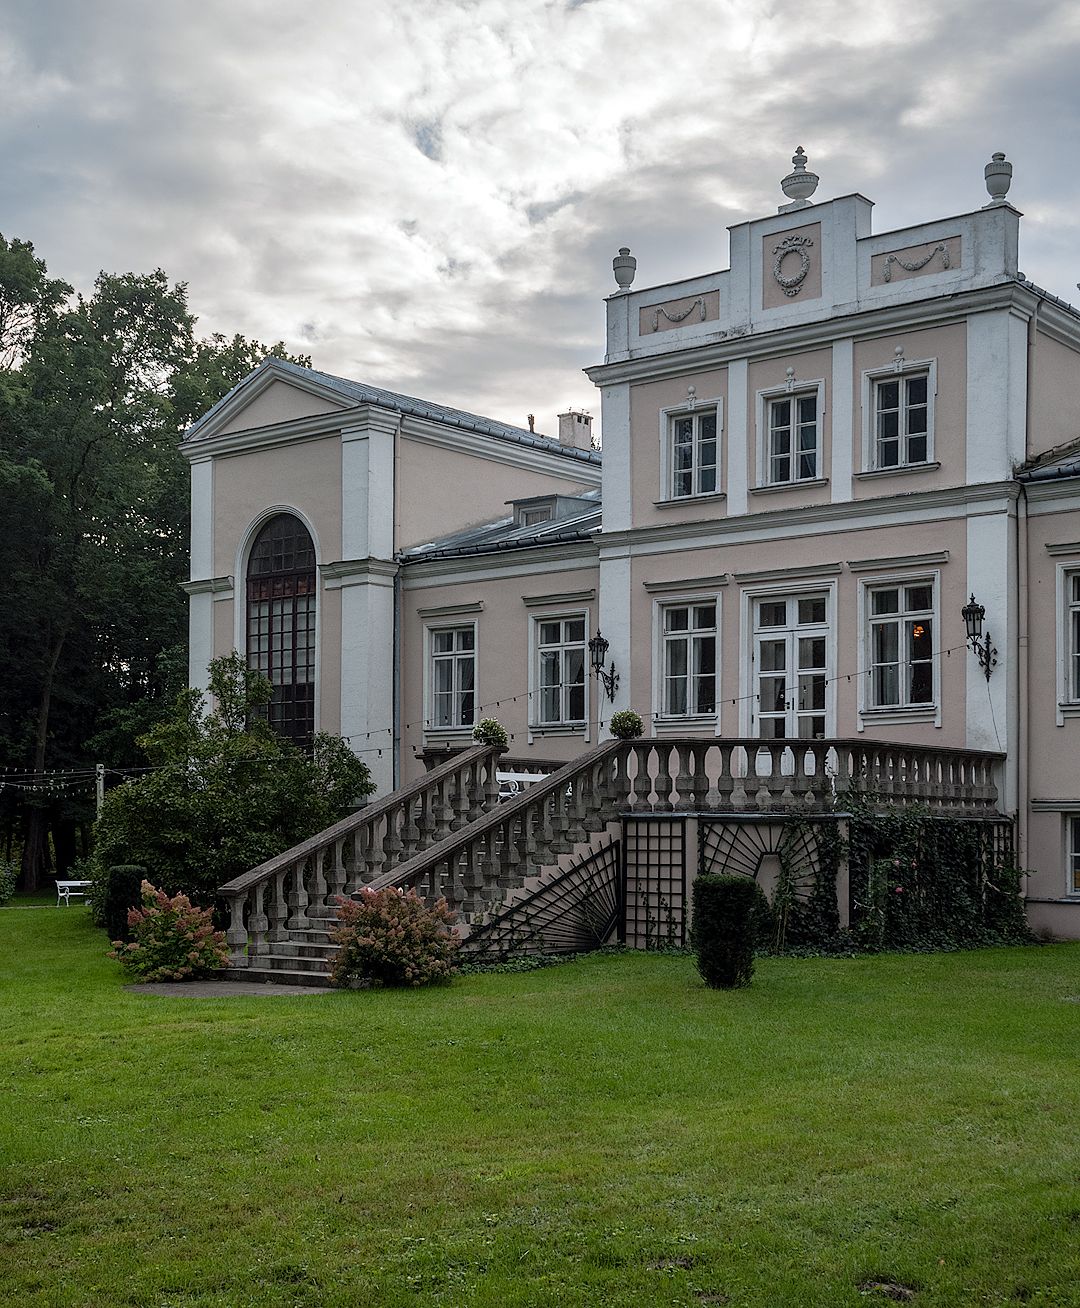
column 447, row 836
column 269, row 900
column 474, row 868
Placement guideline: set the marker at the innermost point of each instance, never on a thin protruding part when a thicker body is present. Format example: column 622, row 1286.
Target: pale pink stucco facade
column 421, row 521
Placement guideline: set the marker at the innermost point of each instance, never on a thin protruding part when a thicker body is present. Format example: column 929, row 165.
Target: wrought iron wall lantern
column 609, row 679
column 979, row 644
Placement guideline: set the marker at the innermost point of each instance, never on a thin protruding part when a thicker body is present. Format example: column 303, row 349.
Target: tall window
column 792, row 453
column 1072, row 855
column 560, row 670
column 1072, row 637
column 902, row 645
column 694, row 457
column 791, row 660
column 901, row 420
column 689, row 659
column 281, row 622
column 453, row 677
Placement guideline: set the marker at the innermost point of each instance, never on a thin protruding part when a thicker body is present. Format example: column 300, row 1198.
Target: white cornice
column 209, row 586
column 559, row 597
column 1063, row 548
column 451, row 610
column 813, row 519
column 537, row 561
column 1057, row 496
column 358, row 572
column 795, row 570
column 899, row 561
column 279, row 433
column 857, row 323
column 686, row 583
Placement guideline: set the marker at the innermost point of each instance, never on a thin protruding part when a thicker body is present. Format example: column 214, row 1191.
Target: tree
column 224, row 792
column 93, row 546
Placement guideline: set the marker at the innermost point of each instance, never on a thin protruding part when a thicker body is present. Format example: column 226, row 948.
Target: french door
column 791, row 667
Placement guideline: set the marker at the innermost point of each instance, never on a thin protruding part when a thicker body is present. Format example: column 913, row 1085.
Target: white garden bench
column 67, row 890
column 513, row 783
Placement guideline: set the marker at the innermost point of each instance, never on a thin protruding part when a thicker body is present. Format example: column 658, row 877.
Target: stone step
column 303, row 949
column 271, row 976
column 291, row 962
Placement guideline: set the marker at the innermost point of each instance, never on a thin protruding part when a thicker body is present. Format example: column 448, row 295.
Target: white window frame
column 795, row 391
column 797, row 588
column 668, row 418
column 1068, row 703
column 870, row 713
column 1071, row 830
column 577, row 726
column 430, row 629
column 898, row 371
column 661, row 718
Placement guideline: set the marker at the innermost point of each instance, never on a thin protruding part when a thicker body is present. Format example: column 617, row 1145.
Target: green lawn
column 602, row 1133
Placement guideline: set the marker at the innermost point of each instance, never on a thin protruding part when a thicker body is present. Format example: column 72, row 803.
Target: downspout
column 1023, row 733
column 397, row 676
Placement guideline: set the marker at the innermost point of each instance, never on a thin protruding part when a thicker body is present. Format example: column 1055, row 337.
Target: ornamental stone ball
column 800, row 184
column 998, row 175
column 624, row 266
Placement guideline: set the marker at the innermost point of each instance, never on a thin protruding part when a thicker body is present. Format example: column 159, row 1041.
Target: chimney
column 575, row 430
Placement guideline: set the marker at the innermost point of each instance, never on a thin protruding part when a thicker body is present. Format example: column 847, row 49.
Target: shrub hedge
column 723, row 930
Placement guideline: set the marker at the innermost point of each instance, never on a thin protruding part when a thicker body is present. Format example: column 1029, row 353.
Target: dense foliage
column 9, row 874
column 393, row 938
column 173, row 940
column 723, row 934
column 95, row 392
column 114, row 892
column 224, row 792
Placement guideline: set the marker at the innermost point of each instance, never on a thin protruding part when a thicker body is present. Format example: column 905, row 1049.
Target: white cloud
column 426, row 194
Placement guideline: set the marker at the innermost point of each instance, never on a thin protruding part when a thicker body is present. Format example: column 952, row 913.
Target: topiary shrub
column 114, row 892
column 393, row 938
column 173, row 940
column 490, row 731
column 723, row 930
column 626, row 725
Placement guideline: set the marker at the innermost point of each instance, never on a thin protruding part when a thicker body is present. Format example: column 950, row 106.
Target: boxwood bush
column 723, row 929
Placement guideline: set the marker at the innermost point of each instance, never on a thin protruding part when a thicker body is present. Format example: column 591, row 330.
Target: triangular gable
column 274, row 393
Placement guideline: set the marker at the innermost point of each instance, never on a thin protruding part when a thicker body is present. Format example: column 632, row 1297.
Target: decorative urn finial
column 799, row 185
column 998, row 174
column 624, row 266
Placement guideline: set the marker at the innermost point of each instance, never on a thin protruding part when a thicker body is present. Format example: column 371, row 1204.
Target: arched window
column 281, row 622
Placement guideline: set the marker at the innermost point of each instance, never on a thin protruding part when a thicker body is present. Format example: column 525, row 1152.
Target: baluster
column 410, row 828
column 763, row 794
column 298, row 900
column 392, row 844
column 426, row 821
column 513, row 854
column 461, row 800
column 739, row 763
column 279, row 906
column 372, row 852
column 236, row 936
column 335, row 870
column 786, row 774
column 318, row 879
column 684, row 779
column 699, row 778
column 662, row 785
column 257, row 922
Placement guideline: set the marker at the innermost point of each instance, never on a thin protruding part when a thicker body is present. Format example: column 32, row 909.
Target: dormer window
column 533, row 517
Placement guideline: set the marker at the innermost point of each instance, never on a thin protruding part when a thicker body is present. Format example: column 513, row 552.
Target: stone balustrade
column 281, row 894
column 446, row 836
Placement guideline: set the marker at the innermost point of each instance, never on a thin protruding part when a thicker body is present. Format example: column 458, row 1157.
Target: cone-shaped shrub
column 723, row 932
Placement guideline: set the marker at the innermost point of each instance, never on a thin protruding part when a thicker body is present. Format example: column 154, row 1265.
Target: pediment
column 268, row 397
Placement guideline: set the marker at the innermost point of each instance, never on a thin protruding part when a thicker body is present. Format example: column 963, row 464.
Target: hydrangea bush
column 626, row 725
column 172, row 939
column 393, row 938
column 490, row 731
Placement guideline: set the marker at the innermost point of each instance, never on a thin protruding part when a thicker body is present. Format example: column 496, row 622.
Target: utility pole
column 99, row 771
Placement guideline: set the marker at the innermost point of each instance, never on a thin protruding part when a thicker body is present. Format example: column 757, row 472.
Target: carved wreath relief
column 791, row 284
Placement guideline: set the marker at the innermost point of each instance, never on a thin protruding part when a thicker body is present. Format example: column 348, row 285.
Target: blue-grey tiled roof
column 493, row 537
column 361, row 393
column 1053, row 465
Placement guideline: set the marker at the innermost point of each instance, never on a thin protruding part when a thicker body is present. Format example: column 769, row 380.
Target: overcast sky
column 427, row 194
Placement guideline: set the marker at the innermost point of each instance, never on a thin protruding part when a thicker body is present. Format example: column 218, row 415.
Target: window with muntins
column 560, row 671
column 689, row 659
column 694, row 454
column 901, row 645
column 1072, row 637
column 791, row 662
column 901, row 420
column 792, row 453
column 281, row 622
column 453, row 677
column 1072, row 855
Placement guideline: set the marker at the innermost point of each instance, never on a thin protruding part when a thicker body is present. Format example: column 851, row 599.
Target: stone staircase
column 539, row 867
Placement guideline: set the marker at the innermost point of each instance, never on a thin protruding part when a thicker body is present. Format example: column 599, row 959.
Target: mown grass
column 602, row 1133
